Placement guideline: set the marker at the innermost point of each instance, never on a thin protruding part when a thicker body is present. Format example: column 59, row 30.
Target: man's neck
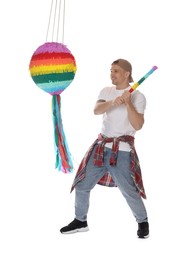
column 122, row 86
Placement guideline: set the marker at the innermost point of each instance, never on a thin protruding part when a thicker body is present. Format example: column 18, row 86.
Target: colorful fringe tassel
column 63, row 157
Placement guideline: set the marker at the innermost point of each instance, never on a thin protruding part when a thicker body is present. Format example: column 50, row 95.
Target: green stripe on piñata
column 53, row 77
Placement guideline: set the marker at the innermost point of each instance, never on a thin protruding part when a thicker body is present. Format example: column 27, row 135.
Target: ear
column 127, row 74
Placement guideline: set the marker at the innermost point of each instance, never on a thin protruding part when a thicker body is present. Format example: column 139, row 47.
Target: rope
column 49, row 21
column 54, row 20
column 64, row 7
column 54, row 15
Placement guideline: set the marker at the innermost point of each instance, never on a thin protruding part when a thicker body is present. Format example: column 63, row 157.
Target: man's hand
column 126, row 98
column 118, row 101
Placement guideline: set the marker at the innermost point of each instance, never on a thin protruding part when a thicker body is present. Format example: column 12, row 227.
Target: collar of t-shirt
column 123, row 89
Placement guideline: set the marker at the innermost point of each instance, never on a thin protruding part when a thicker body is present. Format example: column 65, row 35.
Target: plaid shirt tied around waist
column 107, row 180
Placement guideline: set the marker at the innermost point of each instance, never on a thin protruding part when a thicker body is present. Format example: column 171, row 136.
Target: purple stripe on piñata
column 52, row 47
column 56, row 92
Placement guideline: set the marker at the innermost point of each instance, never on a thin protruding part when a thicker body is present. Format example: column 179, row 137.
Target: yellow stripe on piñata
column 40, row 70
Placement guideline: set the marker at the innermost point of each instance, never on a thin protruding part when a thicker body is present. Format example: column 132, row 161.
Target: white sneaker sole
column 144, row 237
column 76, row 230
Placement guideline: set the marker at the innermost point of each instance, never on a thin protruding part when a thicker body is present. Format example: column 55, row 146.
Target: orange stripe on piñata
column 51, row 62
column 52, row 55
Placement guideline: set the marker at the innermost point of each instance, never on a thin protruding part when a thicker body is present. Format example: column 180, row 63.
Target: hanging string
column 54, row 20
column 58, row 25
column 55, row 16
column 64, row 10
column 49, row 22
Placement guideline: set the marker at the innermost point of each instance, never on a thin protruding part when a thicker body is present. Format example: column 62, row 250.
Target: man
column 112, row 159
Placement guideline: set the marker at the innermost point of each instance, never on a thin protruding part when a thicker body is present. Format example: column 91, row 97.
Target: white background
column 35, row 199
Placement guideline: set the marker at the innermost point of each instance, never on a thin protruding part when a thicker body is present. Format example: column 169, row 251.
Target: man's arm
column 136, row 119
column 102, row 106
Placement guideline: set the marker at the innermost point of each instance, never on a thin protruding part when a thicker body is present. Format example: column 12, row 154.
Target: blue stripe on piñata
column 54, row 86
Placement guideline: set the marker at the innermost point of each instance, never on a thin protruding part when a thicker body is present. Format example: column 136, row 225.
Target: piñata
column 52, row 68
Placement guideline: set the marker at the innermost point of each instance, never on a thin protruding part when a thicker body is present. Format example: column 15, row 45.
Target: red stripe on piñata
column 47, row 55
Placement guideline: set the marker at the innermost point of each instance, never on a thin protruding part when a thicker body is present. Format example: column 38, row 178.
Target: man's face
column 118, row 75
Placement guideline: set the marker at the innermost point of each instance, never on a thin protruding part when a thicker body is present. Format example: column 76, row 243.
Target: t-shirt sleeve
column 139, row 101
column 103, row 94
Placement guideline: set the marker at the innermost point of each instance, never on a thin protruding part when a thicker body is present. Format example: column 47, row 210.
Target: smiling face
column 119, row 77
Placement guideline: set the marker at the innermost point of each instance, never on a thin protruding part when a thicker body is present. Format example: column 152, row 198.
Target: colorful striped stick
column 142, row 79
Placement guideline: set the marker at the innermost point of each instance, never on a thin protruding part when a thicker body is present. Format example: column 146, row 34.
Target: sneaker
column 143, row 230
column 75, row 226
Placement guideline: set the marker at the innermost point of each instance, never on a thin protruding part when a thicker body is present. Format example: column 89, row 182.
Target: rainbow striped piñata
column 52, row 68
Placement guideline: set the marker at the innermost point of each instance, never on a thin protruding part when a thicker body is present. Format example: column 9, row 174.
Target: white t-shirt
column 115, row 121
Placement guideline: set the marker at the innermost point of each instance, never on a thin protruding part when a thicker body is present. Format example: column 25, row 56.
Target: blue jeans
column 121, row 174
